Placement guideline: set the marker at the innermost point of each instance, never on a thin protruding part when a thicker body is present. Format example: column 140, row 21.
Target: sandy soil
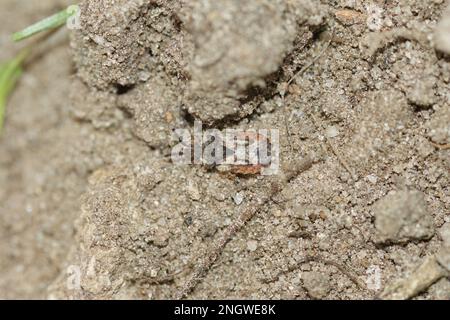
column 92, row 207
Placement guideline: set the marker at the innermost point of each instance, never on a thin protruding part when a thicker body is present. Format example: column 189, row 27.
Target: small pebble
column 252, row 245
column 193, row 192
column 372, row 178
column 238, row 198
column 332, row 132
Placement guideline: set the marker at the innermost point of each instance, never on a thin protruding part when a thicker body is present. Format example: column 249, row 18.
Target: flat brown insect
column 247, row 139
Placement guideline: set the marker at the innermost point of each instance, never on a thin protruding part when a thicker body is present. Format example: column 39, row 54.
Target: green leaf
column 52, row 22
column 10, row 72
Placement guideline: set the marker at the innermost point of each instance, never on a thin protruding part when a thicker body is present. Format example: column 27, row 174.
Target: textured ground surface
column 92, row 207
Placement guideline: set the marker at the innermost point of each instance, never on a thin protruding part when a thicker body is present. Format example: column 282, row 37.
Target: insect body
column 250, row 154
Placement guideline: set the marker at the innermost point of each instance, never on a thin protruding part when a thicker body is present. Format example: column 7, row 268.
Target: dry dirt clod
column 317, row 284
column 443, row 257
column 444, row 233
column 374, row 42
column 403, row 216
column 439, row 127
column 429, row 272
column 112, row 47
column 433, row 269
column 238, row 45
column 423, row 92
column 441, row 38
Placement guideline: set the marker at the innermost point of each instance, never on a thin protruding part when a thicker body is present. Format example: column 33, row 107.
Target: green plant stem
column 9, row 74
column 11, row 71
column 52, row 22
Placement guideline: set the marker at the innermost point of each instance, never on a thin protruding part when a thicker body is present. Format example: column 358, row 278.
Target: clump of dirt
column 117, row 44
column 117, row 219
column 441, row 33
column 237, row 46
column 403, row 216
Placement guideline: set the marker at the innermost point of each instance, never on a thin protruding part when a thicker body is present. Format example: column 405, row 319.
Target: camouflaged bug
column 247, row 139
